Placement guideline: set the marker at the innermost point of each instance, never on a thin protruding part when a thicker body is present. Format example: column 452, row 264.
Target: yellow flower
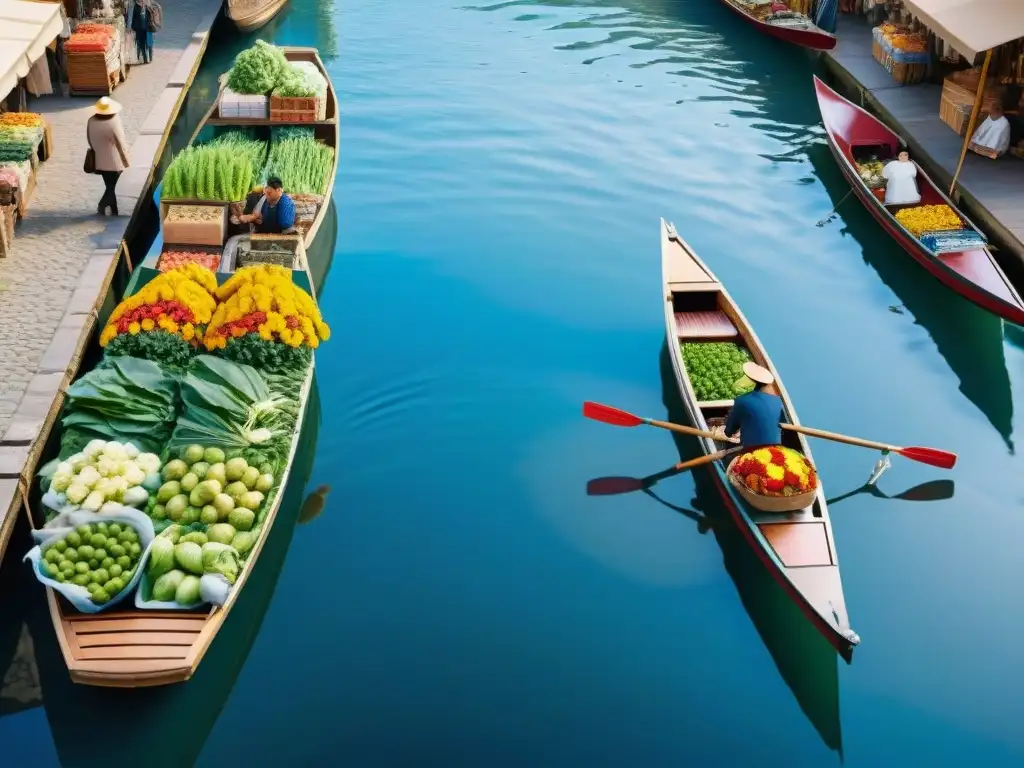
column 763, row 455
column 265, row 334
column 134, row 328
column 147, row 324
column 188, row 332
column 108, row 334
column 775, row 472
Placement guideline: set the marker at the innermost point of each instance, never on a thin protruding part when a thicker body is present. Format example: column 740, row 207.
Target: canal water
column 461, row 600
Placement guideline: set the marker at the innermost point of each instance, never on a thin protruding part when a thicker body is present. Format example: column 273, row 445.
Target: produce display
column 716, row 370
column 173, row 259
column 901, row 39
column 217, row 435
column 871, row 172
column 23, row 119
column 101, row 557
column 775, row 471
column 302, row 163
column 166, row 316
column 90, row 38
column 124, row 398
column 102, row 477
column 197, row 213
column 929, row 218
column 215, row 171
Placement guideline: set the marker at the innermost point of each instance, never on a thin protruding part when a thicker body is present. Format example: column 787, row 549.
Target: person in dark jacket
column 144, row 20
column 273, row 212
column 756, row 415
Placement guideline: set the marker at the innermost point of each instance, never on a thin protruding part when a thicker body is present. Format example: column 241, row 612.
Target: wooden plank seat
column 704, row 325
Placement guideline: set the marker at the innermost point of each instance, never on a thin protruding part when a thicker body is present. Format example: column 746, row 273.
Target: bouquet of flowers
column 775, row 471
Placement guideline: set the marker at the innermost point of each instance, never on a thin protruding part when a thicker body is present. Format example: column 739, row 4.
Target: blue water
column 461, row 601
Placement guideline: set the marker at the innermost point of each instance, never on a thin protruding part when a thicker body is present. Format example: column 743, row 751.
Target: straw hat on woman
column 109, row 149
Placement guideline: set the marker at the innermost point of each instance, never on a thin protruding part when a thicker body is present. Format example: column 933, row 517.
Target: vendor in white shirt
column 901, row 181
column 993, row 135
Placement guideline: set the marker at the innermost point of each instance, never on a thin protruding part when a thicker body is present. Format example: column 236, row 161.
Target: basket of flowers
column 774, row 479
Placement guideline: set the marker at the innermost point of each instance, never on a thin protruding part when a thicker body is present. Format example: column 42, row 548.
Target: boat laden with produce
column 709, row 340
column 933, row 231
column 782, row 24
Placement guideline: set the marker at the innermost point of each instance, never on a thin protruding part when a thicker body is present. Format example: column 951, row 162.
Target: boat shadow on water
column 967, row 337
column 168, row 725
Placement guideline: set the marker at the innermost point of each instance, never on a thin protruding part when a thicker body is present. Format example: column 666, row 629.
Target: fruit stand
column 903, row 53
column 25, row 141
column 94, row 56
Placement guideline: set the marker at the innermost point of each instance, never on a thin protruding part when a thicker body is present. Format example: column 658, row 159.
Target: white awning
column 971, row 26
column 26, row 28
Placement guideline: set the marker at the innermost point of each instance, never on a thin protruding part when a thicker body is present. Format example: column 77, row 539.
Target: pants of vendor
column 109, row 196
column 144, row 47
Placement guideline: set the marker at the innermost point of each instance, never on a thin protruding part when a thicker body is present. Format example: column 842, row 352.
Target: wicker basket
column 769, row 503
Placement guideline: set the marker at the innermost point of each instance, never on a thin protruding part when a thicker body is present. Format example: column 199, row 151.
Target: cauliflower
column 77, row 461
column 108, row 467
column 94, row 448
column 114, row 450
column 131, row 472
column 130, row 450
column 88, row 476
column 64, row 468
column 77, row 493
column 118, row 485
column 93, row 501
column 110, row 508
column 148, row 462
column 60, row 481
column 105, row 485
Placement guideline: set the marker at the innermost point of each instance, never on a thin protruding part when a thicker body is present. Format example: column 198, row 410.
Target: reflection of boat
column 77, row 713
column 252, row 14
column 797, row 547
column 789, row 27
column 19, row 677
column 960, row 260
column 805, row 660
column 969, row 339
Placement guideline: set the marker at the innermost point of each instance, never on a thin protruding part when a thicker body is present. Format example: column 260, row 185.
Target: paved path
column 996, row 186
column 53, row 243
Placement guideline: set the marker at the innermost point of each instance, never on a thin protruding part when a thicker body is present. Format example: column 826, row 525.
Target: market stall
column 903, row 52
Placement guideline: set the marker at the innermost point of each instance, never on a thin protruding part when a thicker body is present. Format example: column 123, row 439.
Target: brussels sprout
column 100, row 596
column 86, row 552
column 250, row 476
column 52, row 556
column 134, row 550
column 101, row 575
column 107, row 562
column 81, row 567
column 251, row 500
column 115, row 570
column 71, row 555
column 114, row 529
column 62, row 545
column 213, row 455
column 117, row 550
column 174, row 470
column 176, row 507
column 80, row 579
column 235, row 491
column 235, row 468
column 93, row 563
column 73, row 539
column 99, row 554
column 124, row 561
column 159, row 512
column 216, row 472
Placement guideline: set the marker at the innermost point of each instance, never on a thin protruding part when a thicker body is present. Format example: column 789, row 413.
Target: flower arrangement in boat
column 262, row 300
column 929, row 218
column 871, row 172
column 775, row 471
column 175, row 306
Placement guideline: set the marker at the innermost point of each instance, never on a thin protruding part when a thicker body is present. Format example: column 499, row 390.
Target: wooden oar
column 612, row 486
column 617, row 418
column 932, row 456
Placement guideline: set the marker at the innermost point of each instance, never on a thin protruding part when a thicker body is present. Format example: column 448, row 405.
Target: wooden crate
column 87, row 74
column 286, row 109
column 951, row 111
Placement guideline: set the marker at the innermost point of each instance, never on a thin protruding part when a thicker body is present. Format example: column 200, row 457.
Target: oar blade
column 613, row 486
column 608, row 415
column 932, row 456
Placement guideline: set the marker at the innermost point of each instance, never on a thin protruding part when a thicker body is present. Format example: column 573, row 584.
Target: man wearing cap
column 273, row 212
column 756, row 415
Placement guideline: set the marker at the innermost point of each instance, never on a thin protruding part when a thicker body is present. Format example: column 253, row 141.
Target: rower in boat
column 273, row 212
column 901, row 181
column 755, row 415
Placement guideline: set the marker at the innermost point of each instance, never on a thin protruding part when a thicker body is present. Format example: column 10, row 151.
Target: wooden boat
column 797, row 547
column 795, row 28
column 855, row 135
column 249, row 15
column 137, row 648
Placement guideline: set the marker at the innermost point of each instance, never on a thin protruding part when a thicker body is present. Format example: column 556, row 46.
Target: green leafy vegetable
column 716, row 369
column 224, row 169
column 258, row 69
column 170, row 350
column 301, row 162
column 268, row 356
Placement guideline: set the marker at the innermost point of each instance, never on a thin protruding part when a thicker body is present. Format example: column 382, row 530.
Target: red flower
column 792, row 480
column 778, row 457
column 291, row 321
column 773, row 485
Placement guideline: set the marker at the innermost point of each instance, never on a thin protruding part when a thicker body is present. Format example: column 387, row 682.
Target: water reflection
column 967, row 337
column 806, row 661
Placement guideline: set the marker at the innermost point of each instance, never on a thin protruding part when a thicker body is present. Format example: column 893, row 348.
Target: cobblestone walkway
column 53, row 243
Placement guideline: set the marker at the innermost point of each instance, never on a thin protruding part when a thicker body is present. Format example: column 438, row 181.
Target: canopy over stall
column 971, row 26
column 26, row 28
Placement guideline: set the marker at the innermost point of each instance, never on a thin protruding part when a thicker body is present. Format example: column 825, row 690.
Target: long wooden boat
column 250, row 15
column 798, row 547
column 137, row 648
column 796, row 29
column 971, row 271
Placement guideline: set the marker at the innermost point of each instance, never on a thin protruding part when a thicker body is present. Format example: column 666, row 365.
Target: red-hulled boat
column 961, row 260
column 792, row 27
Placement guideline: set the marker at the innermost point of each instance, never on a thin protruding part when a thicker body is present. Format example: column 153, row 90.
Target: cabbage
column 189, row 556
column 114, row 450
column 131, row 472
column 223, row 560
column 211, row 550
column 76, row 493
column 188, row 591
column 243, row 542
column 242, row 518
column 135, row 497
column 222, row 533
column 108, row 466
column 166, row 586
column 161, row 557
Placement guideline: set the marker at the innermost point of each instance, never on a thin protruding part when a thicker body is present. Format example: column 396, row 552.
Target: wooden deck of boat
column 250, row 15
column 798, row 547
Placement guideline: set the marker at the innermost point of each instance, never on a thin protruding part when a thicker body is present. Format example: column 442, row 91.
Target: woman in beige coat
column 105, row 134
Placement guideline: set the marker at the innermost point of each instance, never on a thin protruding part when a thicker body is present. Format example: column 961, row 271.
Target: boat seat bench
column 704, row 325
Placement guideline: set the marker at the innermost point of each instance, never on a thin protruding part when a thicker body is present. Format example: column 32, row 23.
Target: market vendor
column 901, row 181
column 993, row 135
column 755, row 415
column 273, row 212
